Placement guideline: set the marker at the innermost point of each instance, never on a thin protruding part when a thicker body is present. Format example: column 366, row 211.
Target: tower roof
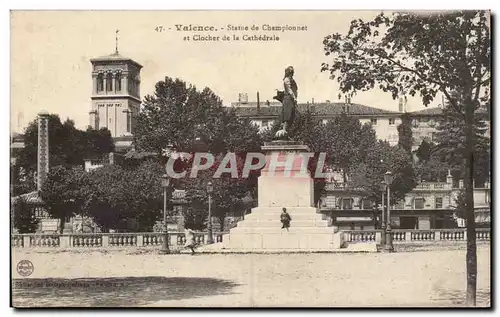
column 115, row 57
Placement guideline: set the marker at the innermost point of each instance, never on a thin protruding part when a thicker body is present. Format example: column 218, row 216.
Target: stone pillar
column 64, row 241
column 140, row 240
column 43, row 149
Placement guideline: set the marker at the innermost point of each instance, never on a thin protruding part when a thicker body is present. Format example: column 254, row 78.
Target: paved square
column 119, row 278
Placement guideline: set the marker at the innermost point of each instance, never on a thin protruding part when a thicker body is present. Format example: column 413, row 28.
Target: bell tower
column 115, row 97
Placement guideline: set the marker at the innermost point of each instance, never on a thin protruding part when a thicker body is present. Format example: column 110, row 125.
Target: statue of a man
column 289, row 101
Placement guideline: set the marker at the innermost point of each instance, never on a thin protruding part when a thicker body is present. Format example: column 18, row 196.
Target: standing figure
column 190, row 240
column 285, row 219
column 289, row 101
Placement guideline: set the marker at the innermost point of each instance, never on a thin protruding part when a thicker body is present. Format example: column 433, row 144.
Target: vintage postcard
column 250, row 159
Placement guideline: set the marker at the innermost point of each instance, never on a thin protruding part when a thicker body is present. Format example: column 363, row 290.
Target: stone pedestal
column 283, row 183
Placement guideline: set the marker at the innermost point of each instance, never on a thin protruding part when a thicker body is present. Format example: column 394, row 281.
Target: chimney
column 461, row 184
column 313, row 101
column 258, row 101
column 401, row 105
column 268, row 103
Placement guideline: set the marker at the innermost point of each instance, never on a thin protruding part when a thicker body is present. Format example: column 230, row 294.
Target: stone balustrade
column 433, row 186
column 178, row 239
column 106, row 240
column 406, row 235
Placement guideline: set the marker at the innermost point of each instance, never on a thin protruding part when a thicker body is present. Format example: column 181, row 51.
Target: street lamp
column 210, row 189
column 383, row 188
column 388, row 177
column 165, row 183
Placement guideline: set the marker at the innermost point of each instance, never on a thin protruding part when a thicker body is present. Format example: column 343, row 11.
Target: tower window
column 118, row 82
column 109, row 82
column 100, row 82
column 392, row 121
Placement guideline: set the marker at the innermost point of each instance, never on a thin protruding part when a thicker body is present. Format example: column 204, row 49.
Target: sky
column 51, row 52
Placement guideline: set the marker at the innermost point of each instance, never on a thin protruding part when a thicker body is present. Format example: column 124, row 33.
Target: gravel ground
column 118, row 278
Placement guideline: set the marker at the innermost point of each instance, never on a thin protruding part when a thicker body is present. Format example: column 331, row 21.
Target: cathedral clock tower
column 115, row 97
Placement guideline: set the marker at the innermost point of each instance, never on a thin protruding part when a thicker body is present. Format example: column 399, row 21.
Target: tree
column 119, row 198
column 405, row 133
column 191, row 120
column 424, row 151
column 450, row 137
column 24, row 216
column 410, row 53
column 344, row 142
column 68, row 146
column 143, row 194
column 228, row 191
column 64, row 192
column 382, row 157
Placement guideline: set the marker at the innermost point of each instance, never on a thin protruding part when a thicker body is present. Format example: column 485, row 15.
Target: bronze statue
column 288, row 98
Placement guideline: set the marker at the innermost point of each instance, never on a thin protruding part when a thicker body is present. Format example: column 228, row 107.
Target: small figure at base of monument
column 288, row 98
column 285, row 219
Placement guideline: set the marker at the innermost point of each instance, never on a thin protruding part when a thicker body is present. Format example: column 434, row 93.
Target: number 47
column 159, row 28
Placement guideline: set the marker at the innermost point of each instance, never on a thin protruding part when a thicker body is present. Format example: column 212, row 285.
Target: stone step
column 277, row 223
column 272, row 217
column 277, row 230
column 281, row 240
column 290, row 210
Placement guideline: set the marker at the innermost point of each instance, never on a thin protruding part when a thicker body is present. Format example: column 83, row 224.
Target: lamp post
column 383, row 187
column 210, row 189
column 389, row 247
column 165, row 183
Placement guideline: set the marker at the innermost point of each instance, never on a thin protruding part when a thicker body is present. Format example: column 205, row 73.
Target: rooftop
column 333, row 108
column 115, row 57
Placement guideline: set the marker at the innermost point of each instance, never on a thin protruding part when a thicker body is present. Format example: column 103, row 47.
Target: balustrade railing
column 105, row 240
column 407, row 235
column 360, row 236
column 178, row 239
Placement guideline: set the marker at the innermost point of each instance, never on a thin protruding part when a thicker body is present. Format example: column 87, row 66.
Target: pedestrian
column 190, row 239
column 285, row 219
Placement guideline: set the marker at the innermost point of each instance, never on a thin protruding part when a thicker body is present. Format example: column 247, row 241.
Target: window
column 415, row 122
column 118, row 82
column 418, row 203
column 109, row 82
column 373, row 121
column 129, row 123
column 100, row 82
column 367, row 204
column 392, row 121
column 346, row 203
column 439, row 202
